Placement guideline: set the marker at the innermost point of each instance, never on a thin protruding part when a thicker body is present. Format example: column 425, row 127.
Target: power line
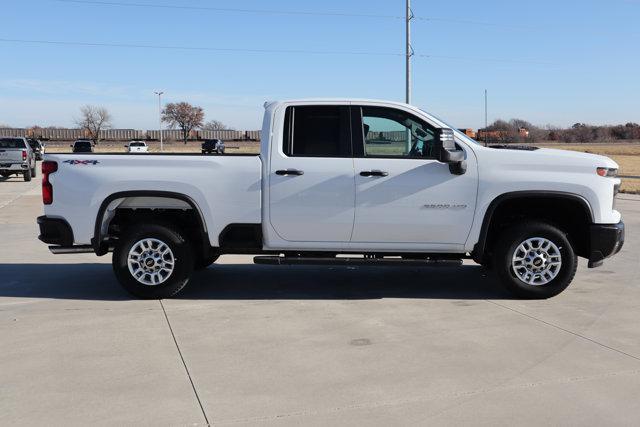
column 290, row 12
column 197, row 48
column 471, row 22
column 228, row 9
column 252, row 50
column 481, row 59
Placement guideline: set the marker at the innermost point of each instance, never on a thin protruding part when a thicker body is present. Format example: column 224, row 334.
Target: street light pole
column 408, row 51
column 485, row 117
column 160, row 117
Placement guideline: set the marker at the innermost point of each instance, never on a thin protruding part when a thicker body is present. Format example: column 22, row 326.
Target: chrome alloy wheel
column 151, row 261
column 536, row 261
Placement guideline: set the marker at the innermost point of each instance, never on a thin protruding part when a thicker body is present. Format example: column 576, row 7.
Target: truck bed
column 226, row 188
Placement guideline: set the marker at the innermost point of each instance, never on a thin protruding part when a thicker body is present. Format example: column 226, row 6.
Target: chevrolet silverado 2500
column 338, row 182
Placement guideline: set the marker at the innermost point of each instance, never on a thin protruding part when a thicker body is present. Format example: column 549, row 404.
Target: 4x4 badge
column 82, row 162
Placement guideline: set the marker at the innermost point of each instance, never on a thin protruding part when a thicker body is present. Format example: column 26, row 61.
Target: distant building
column 469, row 132
column 491, row 135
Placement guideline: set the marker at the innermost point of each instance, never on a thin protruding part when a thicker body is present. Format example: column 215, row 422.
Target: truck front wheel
column 153, row 261
column 535, row 260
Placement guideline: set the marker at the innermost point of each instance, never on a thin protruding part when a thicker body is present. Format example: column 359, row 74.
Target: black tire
column 33, row 171
column 507, row 245
column 27, row 175
column 183, row 261
column 202, row 262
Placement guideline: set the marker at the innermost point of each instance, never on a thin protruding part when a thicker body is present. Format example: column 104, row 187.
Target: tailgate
column 10, row 155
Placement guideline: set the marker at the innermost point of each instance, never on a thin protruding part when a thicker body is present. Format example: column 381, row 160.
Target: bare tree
column 183, row 115
column 94, row 119
column 214, row 125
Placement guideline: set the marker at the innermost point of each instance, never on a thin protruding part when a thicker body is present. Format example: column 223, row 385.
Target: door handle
column 374, row 173
column 287, row 172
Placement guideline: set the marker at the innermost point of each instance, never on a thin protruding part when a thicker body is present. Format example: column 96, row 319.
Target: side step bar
column 78, row 249
column 289, row 260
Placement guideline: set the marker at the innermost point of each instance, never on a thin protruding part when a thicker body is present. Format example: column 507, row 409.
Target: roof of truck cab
column 273, row 104
column 353, row 100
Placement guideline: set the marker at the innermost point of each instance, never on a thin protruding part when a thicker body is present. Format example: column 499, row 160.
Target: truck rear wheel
column 535, row 260
column 27, row 175
column 153, row 261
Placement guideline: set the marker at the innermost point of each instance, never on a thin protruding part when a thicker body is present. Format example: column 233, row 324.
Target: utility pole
column 160, row 117
column 485, row 118
column 409, row 51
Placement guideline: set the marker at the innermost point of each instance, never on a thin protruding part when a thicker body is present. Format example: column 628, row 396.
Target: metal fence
column 121, row 134
column 253, row 135
column 388, row 136
column 13, row 132
column 61, row 134
column 169, row 135
column 226, row 135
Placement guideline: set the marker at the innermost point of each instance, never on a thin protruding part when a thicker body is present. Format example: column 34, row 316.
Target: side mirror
column 449, row 154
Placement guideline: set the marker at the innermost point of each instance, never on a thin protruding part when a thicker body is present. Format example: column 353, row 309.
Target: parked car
column 82, row 146
column 210, row 146
column 137, row 147
column 37, row 147
column 320, row 189
column 17, row 158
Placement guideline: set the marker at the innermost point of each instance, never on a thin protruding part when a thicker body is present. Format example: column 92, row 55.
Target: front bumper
column 605, row 240
column 55, row 231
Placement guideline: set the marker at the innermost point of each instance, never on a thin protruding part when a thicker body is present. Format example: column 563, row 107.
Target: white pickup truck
column 339, row 182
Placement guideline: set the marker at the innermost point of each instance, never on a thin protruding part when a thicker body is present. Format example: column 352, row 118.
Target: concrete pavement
column 249, row 344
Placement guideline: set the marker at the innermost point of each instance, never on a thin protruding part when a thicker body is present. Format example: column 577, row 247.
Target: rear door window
column 317, row 131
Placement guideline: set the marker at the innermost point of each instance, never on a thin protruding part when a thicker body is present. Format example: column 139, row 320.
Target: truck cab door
column 311, row 194
column 404, row 195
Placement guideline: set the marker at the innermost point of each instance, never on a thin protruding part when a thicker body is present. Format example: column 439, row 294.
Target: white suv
column 137, row 147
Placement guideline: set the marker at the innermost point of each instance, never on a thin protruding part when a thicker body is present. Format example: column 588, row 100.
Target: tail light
column 24, row 155
column 48, row 167
column 608, row 172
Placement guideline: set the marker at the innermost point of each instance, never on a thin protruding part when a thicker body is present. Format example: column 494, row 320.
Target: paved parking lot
column 249, row 344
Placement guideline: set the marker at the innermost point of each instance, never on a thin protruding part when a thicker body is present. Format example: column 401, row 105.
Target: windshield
column 12, row 143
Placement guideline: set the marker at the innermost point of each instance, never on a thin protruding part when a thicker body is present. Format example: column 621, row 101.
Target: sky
column 549, row 62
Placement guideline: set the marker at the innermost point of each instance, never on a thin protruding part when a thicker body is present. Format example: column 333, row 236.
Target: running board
column 79, row 249
column 288, row 260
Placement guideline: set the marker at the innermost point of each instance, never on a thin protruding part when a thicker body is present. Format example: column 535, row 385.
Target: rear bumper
column 605, row 240
column 13, row 166
column 55, row 231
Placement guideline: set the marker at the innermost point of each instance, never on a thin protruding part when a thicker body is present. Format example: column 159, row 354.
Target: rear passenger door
column 311, row 176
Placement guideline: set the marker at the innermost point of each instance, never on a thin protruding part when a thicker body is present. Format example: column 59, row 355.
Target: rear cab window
column 83, row 144
column 12, row 143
